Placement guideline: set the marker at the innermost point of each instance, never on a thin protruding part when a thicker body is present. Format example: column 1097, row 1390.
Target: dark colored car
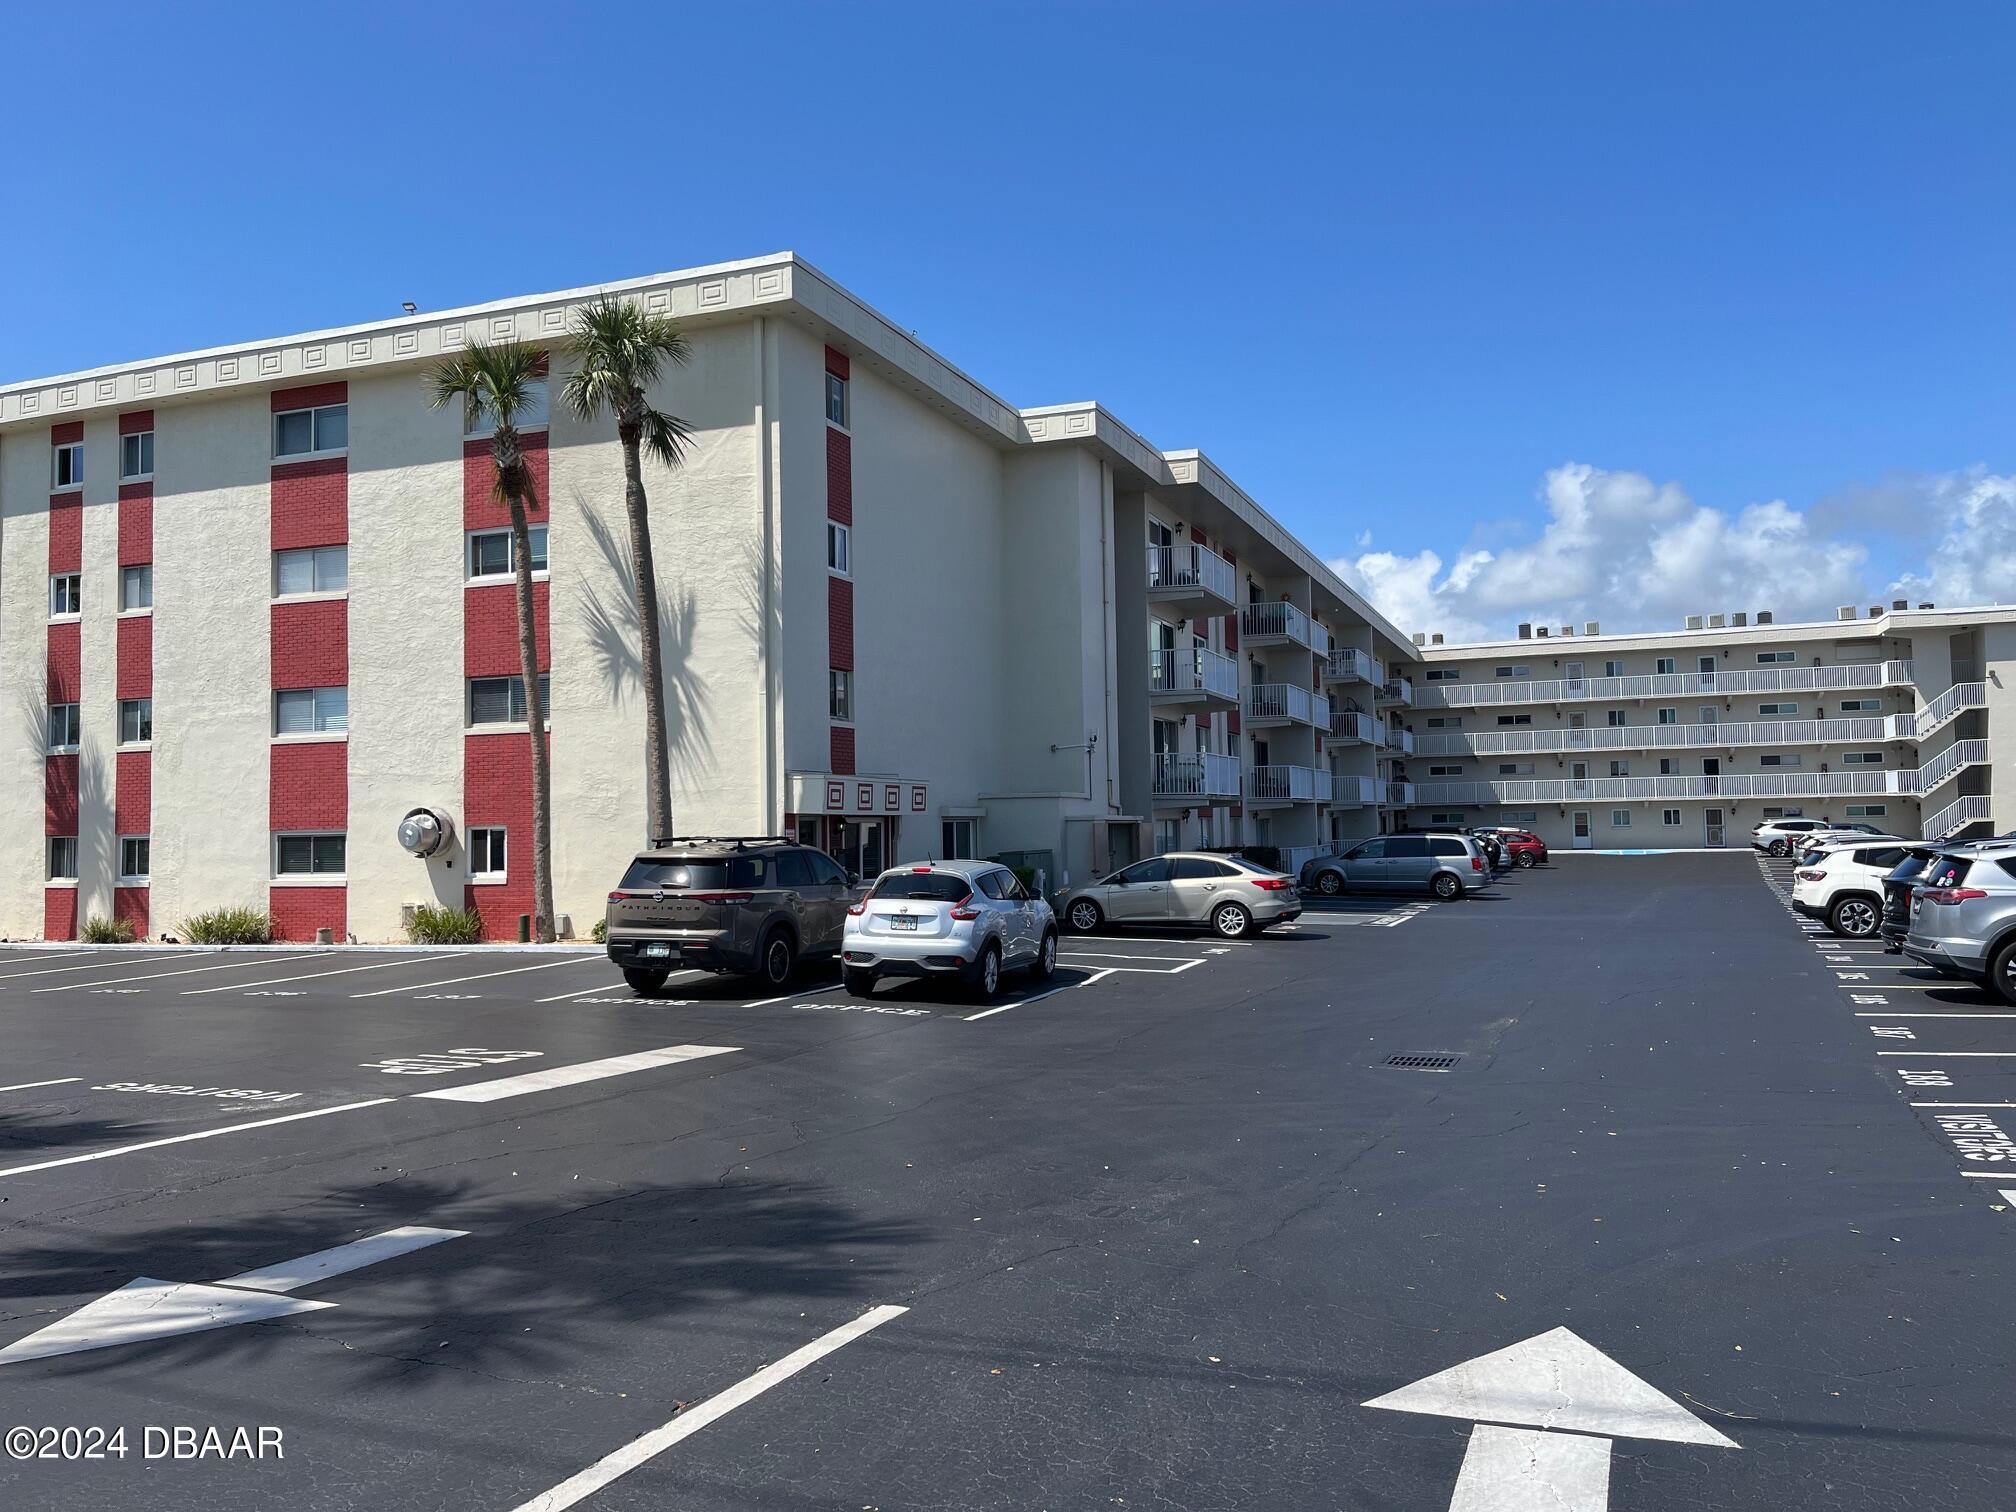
column 1897, row 886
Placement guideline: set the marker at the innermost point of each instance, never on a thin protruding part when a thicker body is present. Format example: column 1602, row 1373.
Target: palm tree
column 619, row 351
column 497, row 385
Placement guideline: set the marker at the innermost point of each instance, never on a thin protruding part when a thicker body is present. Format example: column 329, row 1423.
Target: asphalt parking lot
column 459, row 1228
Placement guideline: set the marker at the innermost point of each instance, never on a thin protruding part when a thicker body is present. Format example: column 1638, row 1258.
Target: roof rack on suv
column 740, row 842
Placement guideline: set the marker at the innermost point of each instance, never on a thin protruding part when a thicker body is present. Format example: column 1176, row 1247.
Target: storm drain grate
column 1422, row 1062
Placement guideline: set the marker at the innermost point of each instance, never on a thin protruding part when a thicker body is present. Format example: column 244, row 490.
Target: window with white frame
column 136, row 456
column 839, row 548
column 66, row 594
column 1613, row 669
column 135, row 857
column 1669, row 716
column 1776, row 658
column 1666, row 664
column 1862, row 758
column 1620, row 818
column 1445, row 674
column 840, row 693
column 1775, row 759
column 1515, row 719
column 533, row 414
column 311, row 711
column 311, row 569
column 836, row 400
column 136, row 587
column 1867, row 810
column 1777, row 708
column 316, row 432
column 492, row 553
column 1710, row 714
column 309, row 855
column 62, row 858
column 1521, row 816
column 1666, row 767
column 1445, row 771
column 1515, row 769
column 1670, row 818
column 63, row 727
column 136, row 721
column 1861, row 706
column 1616, row 718
column 486, row 854
column 959, row 839
column 1445, row 721
column 501, row 700
column 1511, row 672
column 1446, row 816
column 1620, row 769
column 66, row 465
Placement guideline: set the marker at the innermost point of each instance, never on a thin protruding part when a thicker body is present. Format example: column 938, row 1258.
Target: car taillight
column 722, row 897
column 962, row 912
column 1271, row 884
column 1952, row 894
column 617, row 897
column 1809, row 875
column 858, row 909
column 1476, row 863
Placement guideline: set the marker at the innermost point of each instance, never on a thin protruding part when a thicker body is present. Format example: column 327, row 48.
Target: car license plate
column 902, row 921
column 657, row 948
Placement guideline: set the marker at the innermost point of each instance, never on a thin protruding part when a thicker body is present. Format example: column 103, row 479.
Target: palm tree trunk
column 657, row 752
column 535, row 718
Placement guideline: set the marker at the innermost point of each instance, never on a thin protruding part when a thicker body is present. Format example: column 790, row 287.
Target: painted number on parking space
column 1977, row 1138
column 1926, row 1078
column 1885, row 1031
column 434, row 1064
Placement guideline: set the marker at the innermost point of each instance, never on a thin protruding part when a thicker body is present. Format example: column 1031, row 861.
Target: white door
column 1572, row 671
column 1581, row 819
column 1714, row 823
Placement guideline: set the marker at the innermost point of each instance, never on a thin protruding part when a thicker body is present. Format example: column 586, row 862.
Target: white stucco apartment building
column 1692, row 737
column 254, row 608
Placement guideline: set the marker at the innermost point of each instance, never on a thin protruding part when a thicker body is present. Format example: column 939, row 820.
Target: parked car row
column 1784, row 837
column 1446, row 863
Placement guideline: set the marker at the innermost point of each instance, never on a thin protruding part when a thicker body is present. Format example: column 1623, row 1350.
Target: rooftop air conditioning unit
column 1739, row 619
column 1875, row 611
column 1693, row 622
column 1845, row 612
column 1567, row 629
column 1420, row 639
column 1541, row 632
column 1525, row 632
column 1590, row 627
column 1436, row 637
column 1763, row 616
column 1714, row 622
column 1900, row 603
column 1925, row 606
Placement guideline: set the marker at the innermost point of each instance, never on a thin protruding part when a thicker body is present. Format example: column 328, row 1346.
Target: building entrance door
column 1581, row 819
column 860, row 848
column 1713, row 819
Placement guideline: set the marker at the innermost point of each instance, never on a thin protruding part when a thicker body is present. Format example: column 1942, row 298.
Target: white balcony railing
column 1278, row 622
column 1399, row 794
column 1359, row 792
column 1199, row 775
column 1402, row 740
column 1442, row 695
column 1974, row 808
column 1319, row 639
column 1397, row 690
column 1279, row 703
column 1628, row 789
column 1948, row 764
column 1319, row 710
column 1709, row 735
column 1197, row 672
column 1349, row 664
column 1349, row 724
column 1189, row 566
column 1286, row 784
column 1949, row 705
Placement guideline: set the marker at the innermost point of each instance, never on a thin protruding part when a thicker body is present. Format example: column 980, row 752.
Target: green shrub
column 229, row 926
column 441, row 925
column 99, row 930
column 600, row 933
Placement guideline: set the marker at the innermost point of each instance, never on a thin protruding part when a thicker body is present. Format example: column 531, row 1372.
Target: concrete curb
column 155, row 947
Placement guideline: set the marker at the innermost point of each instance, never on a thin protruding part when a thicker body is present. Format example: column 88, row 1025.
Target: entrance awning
column 855, row 795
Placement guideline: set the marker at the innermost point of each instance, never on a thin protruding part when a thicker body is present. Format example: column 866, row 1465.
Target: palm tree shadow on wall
column 612, row 627
column 97, row 845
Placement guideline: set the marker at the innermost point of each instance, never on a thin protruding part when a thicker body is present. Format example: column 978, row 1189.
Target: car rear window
column 1946, row 871
column 932, row 887
column 1447, row 848
column 700, row 872
column 1196, row 868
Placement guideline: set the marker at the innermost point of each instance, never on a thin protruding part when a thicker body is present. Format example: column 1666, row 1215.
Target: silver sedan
column 967, row 919
column 1227, row 894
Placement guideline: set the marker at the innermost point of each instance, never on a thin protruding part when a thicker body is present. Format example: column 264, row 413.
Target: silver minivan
column 1446, row 865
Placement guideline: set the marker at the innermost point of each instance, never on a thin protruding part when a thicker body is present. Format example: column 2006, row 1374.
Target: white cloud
column 1638, row 555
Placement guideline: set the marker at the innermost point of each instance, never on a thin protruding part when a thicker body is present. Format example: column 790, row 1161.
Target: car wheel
column 1329, row 883
column 987, row 978
column 1231, row 921
column 644, row 981
column 1778, row 847
column 1856, row 918
column 1447, row 886
column 1046, row 957
column 1084, row 916
column 779, row 959
column 1526, row 861
column 858, row 983
column 2002, row 972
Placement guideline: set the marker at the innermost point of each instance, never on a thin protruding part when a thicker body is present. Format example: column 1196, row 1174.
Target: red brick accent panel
column 481, row 510
column 497, row 789
column 66, row 532
column 841, row 758
column 59, row 913
column 1197, row 535
column 64, row 655
column 130, row 904
column 839, row 476
column 133, row 793
column 299, row 911
column 136, row 421
column 311, row 644
column 136, row 524
column 490, row 630
column 1232, row 722
column 65, row 434
column 839, row 623
column 311, row 503
column 136, row 657
column 1231, row 632
column 310, row 786
column 59, row 795
column 312, row 396
column 837, row 364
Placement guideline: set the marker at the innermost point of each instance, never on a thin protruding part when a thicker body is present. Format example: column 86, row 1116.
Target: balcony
column 1273, row 786
column 1355, row 792
column 1528, row 790
column 1195, row 677
column 1957, row 815
column 1399, row 795
column 1704, row 735
column 1350, row 665
column 1191, row 580
column 1364, row 729
column 1280, row 624
column 1396, row 691
column 1285, row 704
column 1193, row 778
column 1443, row 695
column 1402, row 741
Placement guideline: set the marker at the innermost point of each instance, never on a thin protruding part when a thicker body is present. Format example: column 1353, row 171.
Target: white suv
column 1779, row 835
column 1843, row 885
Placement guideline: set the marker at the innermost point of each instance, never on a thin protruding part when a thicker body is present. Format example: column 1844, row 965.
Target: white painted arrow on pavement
column 145, row 1308
column 1551, row 1381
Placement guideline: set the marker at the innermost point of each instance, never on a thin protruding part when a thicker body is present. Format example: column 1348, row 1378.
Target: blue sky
column 1395, row 267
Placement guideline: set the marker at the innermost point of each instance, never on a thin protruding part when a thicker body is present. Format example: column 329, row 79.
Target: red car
column 1523, row 847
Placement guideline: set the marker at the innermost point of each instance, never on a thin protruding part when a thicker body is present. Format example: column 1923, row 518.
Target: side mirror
column 853, row 879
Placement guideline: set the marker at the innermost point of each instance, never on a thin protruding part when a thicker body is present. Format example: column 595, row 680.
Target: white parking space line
column 97, row 965
column 478, row 977
column 1956, row 1054
column 155, row 1144
column 24, row 959
column 639, row 1450
column 1943, row 986
column 1111, row 955
column 57, row 1082
column 151, row 976
column 292, row 1275
column 309, row 976
column 568, row 1076
column 561, row 997
column 2008, row 1013
column 1098, row 976
column 1964, row 1105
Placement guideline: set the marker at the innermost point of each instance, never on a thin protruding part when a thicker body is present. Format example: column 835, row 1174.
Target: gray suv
column 1963, row 915
column 1446, row 865
column 754, row 904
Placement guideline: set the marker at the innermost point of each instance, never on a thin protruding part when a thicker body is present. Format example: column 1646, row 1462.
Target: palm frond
column 666, row 437
column 494, row 380
column 619, row 349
